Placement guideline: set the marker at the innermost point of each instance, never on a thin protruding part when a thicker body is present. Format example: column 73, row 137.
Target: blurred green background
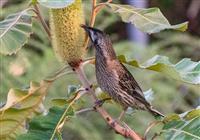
column 36, row 60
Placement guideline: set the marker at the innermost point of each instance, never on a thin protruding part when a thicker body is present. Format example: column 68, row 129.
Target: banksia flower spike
column 67, row 35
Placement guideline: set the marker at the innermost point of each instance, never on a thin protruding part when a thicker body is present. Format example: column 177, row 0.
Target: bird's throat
column 105, row 53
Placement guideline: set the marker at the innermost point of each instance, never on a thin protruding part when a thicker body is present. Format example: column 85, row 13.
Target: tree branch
column 101, row 5
column 92, row 20
column 95, row 10
column 46, row 28
column 84, row 110
column 126, row 132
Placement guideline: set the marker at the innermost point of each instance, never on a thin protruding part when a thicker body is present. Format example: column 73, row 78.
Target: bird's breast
column 105, row 78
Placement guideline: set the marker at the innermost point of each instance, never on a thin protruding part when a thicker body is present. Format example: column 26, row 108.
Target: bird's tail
column 155, row 112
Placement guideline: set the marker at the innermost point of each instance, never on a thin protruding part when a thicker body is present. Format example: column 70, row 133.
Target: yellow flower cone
column 67, row 35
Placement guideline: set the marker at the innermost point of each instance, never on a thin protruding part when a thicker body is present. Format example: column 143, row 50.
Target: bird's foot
column 99, row 103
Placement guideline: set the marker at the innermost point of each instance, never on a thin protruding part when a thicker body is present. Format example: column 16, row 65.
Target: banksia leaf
column 67, row 35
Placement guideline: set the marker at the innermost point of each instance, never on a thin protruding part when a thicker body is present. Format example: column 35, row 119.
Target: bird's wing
column 129, row 84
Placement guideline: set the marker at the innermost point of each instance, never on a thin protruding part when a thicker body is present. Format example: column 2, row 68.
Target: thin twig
column 82, row 77
column 99, row 6
column 92, row 20
column 58, row 76
column 46, row 28
column 129, row 133
column 95, row 10
column 84, row 110
column 150, row 126
column 61, row 72
column 90, row 60
column 93, row 16
column 62, row 69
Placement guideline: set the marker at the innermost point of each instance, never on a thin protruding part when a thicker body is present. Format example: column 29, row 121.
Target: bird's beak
column 90, row 31
column 86, row 28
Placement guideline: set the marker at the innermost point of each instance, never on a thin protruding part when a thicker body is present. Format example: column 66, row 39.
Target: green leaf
column 62, row 102
column 15, row 31
column 147, row 20
column 21, row 105
column 43, row 127
column 59, row 102
column 185, row 70
column 33, row 2
column 71, row 95
column 55, row 3
column 182, row 127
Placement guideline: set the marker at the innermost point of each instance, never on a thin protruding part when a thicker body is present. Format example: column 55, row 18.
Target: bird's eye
column 97, row 42
column 95, row 38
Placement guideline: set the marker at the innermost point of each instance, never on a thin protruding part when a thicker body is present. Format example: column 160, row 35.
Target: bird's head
column 97, row 37
column 101, row 42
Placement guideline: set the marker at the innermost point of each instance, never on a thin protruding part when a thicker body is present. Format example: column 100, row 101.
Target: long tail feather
column 155, row 112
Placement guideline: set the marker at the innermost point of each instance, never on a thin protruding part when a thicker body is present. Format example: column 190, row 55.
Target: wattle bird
column 113, row 77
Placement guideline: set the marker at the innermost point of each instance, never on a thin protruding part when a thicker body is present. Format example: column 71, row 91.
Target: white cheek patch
column 93, row 36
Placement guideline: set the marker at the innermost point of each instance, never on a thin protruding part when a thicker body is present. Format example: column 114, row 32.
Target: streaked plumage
column 113, row 77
